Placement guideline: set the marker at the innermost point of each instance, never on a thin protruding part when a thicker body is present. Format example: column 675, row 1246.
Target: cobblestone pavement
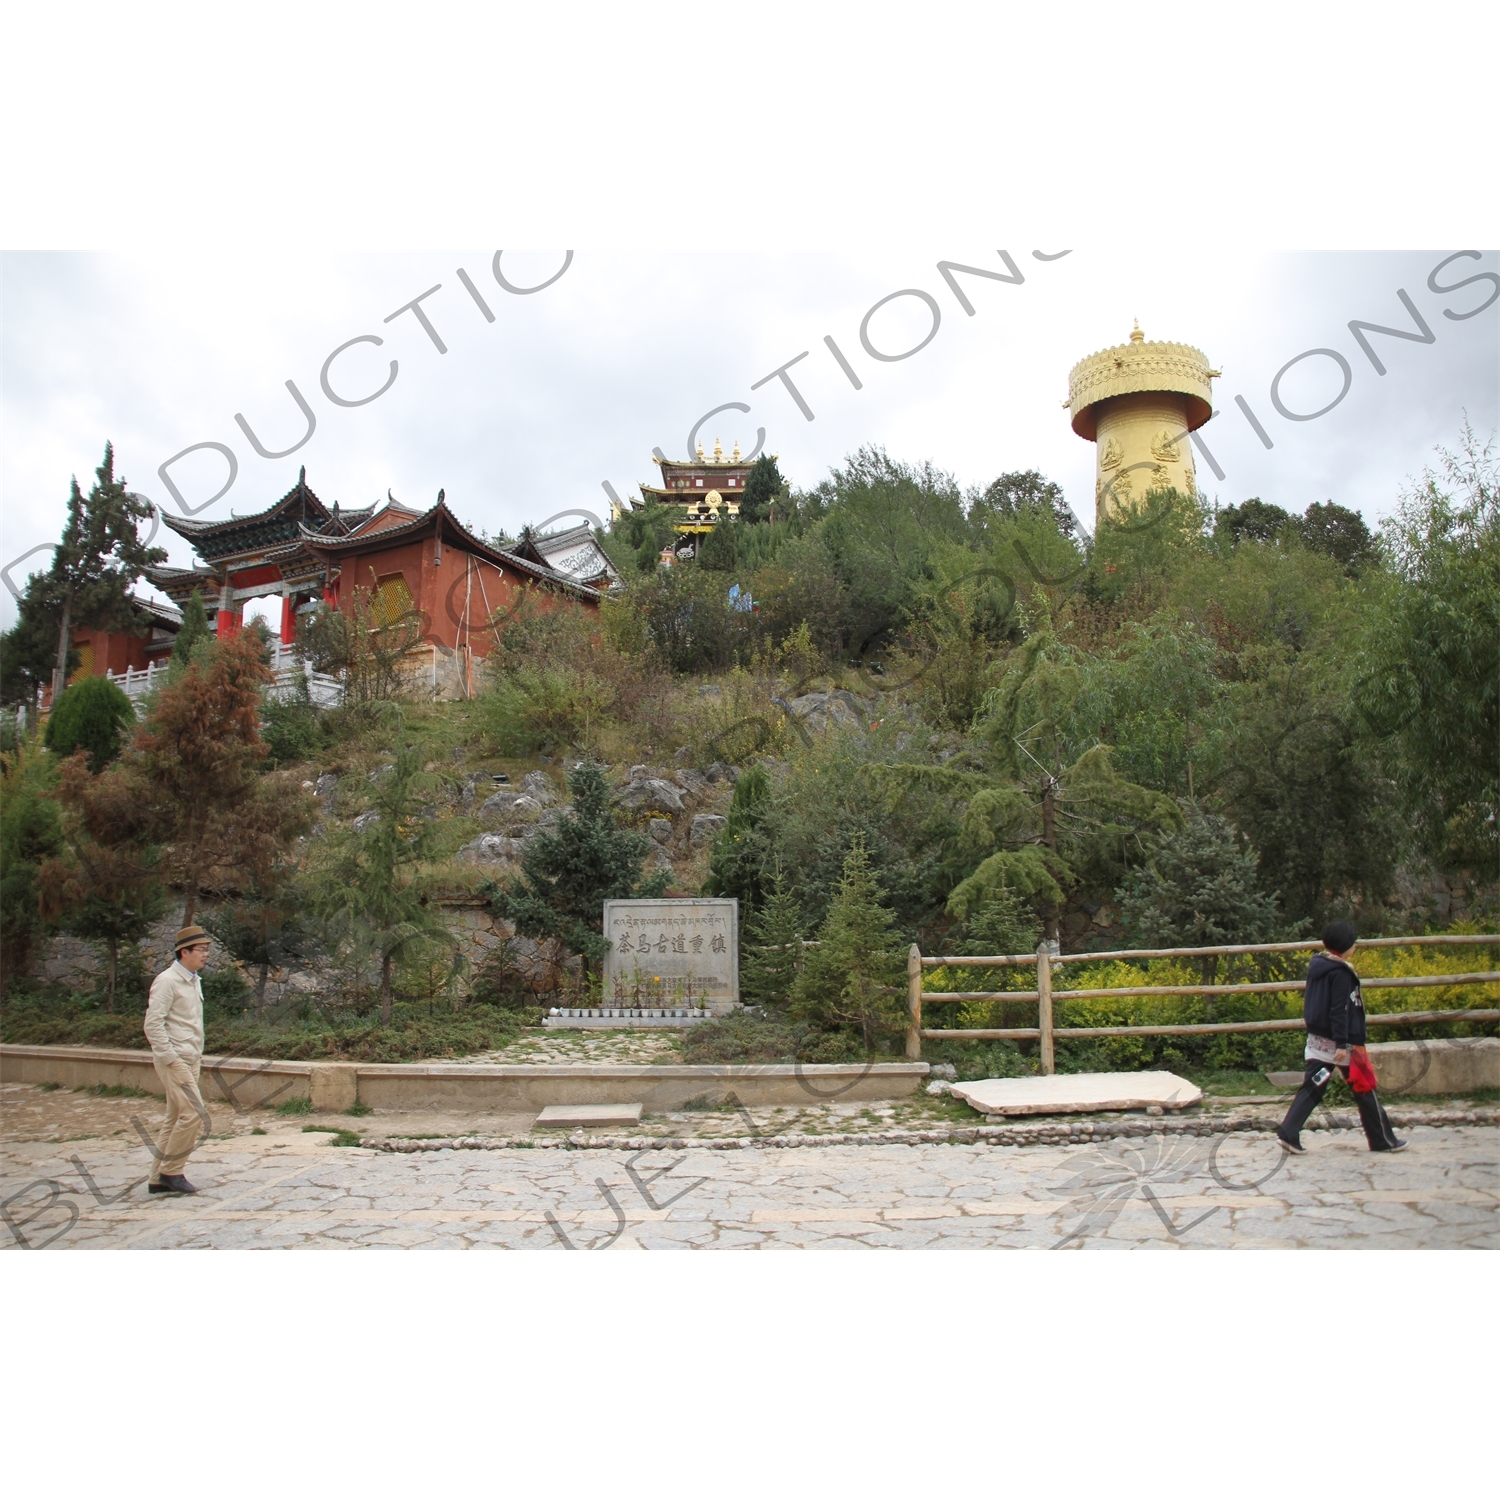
column 293, row 1189
column 646, row 1045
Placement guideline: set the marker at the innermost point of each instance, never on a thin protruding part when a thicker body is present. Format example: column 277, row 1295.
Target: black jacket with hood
column 1332, row 1005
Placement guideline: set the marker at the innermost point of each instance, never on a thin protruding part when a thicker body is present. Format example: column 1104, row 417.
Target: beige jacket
column 174, row 1016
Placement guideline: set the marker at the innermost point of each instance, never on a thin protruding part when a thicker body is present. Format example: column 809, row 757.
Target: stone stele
column 1078, row 1093
column 673, row 953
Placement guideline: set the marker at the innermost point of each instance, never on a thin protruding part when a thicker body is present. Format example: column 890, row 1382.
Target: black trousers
column 1315, row 1081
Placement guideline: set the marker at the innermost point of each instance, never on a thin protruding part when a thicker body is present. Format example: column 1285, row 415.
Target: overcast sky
column 573, row 385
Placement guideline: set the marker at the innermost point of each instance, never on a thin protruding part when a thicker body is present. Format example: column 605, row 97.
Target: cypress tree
column 91, row 715
column 194, row 628
column 763, row 487
column 98, row 559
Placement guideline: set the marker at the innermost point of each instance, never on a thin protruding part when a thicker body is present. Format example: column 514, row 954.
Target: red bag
column 1361, row 1074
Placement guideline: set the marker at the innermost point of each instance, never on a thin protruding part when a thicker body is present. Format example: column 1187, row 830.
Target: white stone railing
column 325, row 691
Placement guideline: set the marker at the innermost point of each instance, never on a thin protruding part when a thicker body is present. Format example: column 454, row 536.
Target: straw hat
column 187, row 936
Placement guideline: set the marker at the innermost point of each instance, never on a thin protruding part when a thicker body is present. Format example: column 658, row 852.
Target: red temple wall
column 457, row 595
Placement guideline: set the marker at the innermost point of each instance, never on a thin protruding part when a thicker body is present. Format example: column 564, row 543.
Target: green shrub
column 226, row 988
column 500, row 982
column 30, row 833
column 742, row 1038
column 91, row 715
column 293, row 731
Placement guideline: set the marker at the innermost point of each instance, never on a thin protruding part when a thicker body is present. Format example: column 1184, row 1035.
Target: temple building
column 105, row 651
column 1139, row 401
column 420, row 565
column 703, row 492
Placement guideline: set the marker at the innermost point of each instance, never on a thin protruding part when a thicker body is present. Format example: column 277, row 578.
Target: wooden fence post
column 914, row 1003
column 1044, row 1004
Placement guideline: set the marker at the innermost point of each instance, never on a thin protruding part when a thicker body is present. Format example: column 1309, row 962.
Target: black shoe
column 1296, row 1148
column 178, row 1184
column 1394, row 1146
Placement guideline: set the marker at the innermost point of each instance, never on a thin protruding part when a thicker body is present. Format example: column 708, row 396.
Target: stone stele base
column 1078, row 1093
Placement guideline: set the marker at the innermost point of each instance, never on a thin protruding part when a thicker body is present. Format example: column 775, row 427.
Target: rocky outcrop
column 705, row 828
column 652, row 795
column 839, row 709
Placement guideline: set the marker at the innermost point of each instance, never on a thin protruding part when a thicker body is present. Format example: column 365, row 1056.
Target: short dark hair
column 1340, row 937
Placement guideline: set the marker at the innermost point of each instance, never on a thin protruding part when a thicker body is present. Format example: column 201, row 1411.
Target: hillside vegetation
column 950, row 717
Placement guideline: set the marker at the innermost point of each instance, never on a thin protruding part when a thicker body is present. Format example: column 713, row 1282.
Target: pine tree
column 772, row 956
column 91, row 715
column 98, row 559
column 262, row 920
column 28, row 649
column 1003, row 923
column 1200, row 888
column 194, row 628
column 105, row 889
column 374, row 889
column 853, row 977
column 567, row 875
column 194, row 764
column 739, row 856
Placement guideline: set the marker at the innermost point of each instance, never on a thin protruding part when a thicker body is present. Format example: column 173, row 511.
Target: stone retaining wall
column 252, row 1083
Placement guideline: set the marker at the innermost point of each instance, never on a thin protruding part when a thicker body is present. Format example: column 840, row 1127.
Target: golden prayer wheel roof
column 1139, row 366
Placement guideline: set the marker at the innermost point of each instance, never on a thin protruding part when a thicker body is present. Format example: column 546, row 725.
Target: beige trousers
column 187, row 1120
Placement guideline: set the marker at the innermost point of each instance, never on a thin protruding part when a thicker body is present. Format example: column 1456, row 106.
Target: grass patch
column 257, row 1131
column 112, row 1091
column 340, row 1137
column 47, row 1088
column 295, row 1107
column 1230, row 1082
column 52, row 1018
column 358, row 1108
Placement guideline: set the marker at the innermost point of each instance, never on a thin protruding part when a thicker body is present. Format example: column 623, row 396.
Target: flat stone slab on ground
column 1075, row 1093
column 589, row 1116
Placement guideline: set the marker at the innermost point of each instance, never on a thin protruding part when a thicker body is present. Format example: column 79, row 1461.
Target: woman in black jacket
column 1334, row 1011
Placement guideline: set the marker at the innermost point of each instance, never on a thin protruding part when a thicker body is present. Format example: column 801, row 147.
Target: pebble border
column 964, row 1135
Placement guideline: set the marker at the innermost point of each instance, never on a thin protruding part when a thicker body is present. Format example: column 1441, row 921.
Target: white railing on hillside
column 325, row 691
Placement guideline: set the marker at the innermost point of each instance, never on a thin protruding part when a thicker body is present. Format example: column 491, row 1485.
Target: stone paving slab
column 1238, row 1190
column 1077, row 1093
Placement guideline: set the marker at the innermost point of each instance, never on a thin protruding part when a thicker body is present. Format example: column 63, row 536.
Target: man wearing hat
column 174, row 1027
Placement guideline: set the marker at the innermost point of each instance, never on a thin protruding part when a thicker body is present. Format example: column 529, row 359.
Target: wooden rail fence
column 1045, row 961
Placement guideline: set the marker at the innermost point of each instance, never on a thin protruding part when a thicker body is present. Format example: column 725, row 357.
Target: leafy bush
column 742, row 1037
column 293, row 731
column 91, row 715
column 500, row 982
column 52, row 1017
column 30, row 834
column 225, row 987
